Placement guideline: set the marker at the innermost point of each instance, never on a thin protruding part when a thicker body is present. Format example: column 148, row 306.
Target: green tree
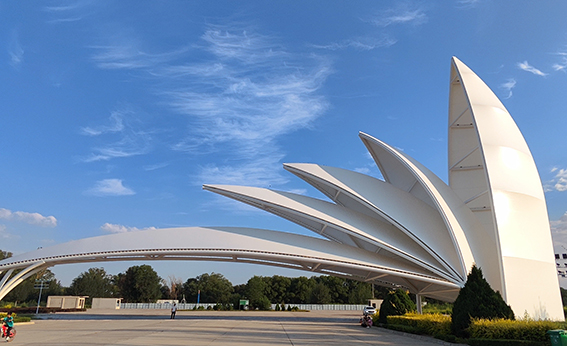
column 278, row 288
column 95, row 283
column 5, row 254
column 139, row 284
column 477, row 300
column 320, row 294
column 255, row 292
column 397, row 302
column 300, row 290
column 25, row 292
column 214, row 287
column 339, row 288
column 360, row 293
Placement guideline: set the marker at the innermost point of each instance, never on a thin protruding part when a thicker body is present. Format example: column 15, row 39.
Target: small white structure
column 66, row 302
column 375, row 303
column 106, row 303
column 167, row 301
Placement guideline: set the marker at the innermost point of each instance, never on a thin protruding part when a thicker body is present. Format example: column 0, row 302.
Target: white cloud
column 559, row 181
column 559, row 230
column 30, row 218
column 559, row 226
column 528, row 68
column 508, row 86
column 402, row 14
column 109, row 187
column 114, row 228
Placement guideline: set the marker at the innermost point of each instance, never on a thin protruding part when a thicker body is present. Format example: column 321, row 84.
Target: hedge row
column 513, row 330
column 500, row 331
column 430, row 324
column 17, row 319
column 492, row 342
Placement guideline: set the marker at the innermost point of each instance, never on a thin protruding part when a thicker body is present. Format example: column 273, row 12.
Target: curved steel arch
column 233, row 245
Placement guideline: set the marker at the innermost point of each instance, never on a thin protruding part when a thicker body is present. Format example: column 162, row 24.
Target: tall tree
column 139, row 284
column 477, row 300
column 95, row 283
column 256, row 293
column 396, row 302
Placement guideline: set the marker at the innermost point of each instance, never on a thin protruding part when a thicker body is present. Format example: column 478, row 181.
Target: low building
column 66, row 302
column 106, row 303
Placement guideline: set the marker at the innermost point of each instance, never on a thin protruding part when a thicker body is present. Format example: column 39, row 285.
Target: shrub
column 477, row 300
column 512, row 330
column 430, row 324
column 395, row 303
column 277, row 308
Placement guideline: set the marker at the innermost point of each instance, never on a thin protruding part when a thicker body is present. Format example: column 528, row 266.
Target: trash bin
column 558, row 337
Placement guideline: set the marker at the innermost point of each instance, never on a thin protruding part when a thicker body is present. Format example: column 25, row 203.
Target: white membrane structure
column 409, row 230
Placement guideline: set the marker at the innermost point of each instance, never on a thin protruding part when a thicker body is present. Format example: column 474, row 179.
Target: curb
column 420, row 337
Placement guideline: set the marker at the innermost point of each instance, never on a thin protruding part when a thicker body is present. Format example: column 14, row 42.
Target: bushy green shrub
column 395, row 303
column 512, row 330
column 430, row 324
column 477, row 300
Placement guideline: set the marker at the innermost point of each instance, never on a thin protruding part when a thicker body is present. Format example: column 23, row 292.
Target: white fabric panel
column 338, row 221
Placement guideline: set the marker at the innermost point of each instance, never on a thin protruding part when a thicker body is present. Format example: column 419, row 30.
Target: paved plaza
column 153, row 327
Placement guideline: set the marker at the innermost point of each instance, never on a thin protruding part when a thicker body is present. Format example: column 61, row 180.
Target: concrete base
column 153, row 327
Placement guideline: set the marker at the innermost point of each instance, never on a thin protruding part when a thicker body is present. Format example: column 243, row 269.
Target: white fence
column 341, row 307
column 163, row 306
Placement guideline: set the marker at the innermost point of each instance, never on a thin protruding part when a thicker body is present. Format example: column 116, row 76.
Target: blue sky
column 114, row 113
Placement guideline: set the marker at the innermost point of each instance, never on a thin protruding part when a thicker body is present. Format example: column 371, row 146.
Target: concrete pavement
column 227, row 328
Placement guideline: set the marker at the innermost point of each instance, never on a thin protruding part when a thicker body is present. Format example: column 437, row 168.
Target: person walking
column 173, row 311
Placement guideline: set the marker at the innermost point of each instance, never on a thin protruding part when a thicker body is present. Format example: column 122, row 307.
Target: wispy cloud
column 249, row 94
column 125, row 53
column 114, row 228
column 508, row 86
column 116, row 125
column 156, row 166
column 468, row 3
column 127, row 140
column 362, row 44
column 402, row 14
column 69, row 11
column 245, row 92
column 15, row 50
column 30, row 218
column 562, row 65
column 109, row 187
column 528, row 68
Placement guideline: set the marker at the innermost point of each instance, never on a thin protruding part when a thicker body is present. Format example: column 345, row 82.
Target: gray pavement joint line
column 225, row 332
column 286, row 334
